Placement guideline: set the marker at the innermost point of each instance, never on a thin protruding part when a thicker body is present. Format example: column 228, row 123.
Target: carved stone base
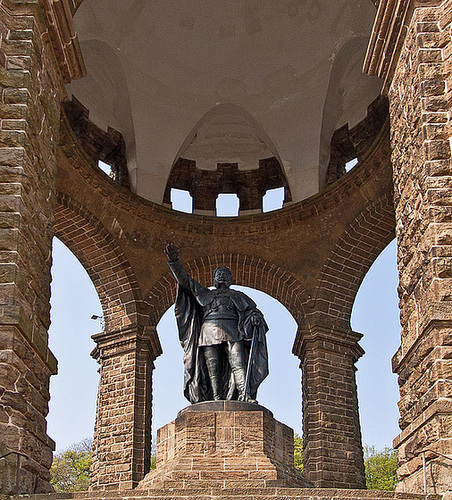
column 224, row 444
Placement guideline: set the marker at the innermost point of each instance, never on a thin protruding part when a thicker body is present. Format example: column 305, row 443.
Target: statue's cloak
column 189, row 316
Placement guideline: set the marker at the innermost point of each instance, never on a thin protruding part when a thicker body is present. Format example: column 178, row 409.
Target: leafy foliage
column 298, row 452
column 381, row 468
column 70, row 468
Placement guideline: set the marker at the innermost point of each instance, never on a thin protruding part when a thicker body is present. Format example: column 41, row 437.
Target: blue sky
column 73, row 390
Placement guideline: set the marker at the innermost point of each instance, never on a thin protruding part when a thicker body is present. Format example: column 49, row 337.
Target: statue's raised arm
column 172, row 252
column 223, row 336
column 182, row 277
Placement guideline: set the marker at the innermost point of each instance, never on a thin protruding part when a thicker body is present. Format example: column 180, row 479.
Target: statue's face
column 223, row 276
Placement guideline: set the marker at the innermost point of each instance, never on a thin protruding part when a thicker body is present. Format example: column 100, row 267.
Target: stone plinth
column 224, row 444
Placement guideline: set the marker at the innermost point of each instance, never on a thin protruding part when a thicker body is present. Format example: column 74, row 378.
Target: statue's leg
column 237, row 361
column 213, row 362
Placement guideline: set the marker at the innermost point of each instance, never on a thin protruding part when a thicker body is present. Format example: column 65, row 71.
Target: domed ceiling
column 157, row 68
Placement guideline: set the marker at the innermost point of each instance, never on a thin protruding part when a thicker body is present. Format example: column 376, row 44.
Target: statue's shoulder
column 205, row 296
column 241, row 299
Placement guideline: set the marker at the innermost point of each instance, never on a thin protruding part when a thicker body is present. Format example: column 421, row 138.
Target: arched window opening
column 181, row 201
column 376, row 315
column 273, row 199
column 350, row 164
column 227, row 205
column 280, row 392
column 73, row 391
column 105, row 167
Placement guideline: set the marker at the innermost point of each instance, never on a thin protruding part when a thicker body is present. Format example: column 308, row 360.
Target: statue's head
column 222, row 275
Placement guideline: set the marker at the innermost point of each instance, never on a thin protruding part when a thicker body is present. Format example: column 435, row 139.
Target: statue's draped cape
column 189, row 316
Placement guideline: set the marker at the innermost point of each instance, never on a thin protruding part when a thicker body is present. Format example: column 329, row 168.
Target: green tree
column 70, row 468
column 381, row 468
column 298, row 452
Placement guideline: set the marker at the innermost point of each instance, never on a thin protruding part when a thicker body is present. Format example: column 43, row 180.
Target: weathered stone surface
column 418, row 93
column 246, row 446
column 214, row 491
column 315, row 256
column 30, row 86
column 122, row 439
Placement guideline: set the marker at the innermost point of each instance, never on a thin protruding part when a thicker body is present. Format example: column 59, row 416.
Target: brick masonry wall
column 122, row 437
column 420, row 97
column 330, row 409
column 104, row 262
column 297, row 256
column 30, row 87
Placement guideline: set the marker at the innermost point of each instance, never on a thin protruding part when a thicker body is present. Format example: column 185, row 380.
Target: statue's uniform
column 220, row 320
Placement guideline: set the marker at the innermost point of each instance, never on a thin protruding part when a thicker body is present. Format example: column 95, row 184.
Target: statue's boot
column 212, row 362
column 240, row 382
column 237, row 360
column 215, row 383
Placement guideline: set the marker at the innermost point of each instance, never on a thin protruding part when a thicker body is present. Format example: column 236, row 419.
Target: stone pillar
column 30, row 87
column 122, row 436
column 414, row 57
column 333, row 455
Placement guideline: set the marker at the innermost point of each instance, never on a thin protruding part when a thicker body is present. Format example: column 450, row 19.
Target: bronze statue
column 223, row 336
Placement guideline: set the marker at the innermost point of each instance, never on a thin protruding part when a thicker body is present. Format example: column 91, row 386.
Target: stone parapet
column 216, row 493
column 226, row 444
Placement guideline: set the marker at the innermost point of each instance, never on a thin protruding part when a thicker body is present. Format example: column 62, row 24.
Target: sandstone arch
column 102, row 259
column 363, row 240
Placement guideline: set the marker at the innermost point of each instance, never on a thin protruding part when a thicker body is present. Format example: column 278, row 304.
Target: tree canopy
column 381, row 468
column 298, row 452
column 70, row 468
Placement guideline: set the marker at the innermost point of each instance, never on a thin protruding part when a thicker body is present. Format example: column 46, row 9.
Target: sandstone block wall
column 329, row 391
column 30, row 86
column 229, row 448
column 420, row 97
column 318, row 251
column 122, row 437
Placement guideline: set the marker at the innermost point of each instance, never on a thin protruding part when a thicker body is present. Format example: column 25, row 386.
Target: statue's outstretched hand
column 172, row 252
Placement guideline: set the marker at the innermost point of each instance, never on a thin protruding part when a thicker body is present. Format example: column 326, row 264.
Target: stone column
column 414, row 57
column 30, row 87
column 333, row 456
column 122, row 437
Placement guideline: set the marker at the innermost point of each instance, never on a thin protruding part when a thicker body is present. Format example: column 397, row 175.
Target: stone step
column 239, row 493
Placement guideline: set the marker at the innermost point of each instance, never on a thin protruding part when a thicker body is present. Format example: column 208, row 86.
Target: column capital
column 118, row 342
column 339, row 340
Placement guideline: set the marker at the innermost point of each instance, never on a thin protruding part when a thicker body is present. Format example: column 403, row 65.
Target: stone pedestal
column 224, row 444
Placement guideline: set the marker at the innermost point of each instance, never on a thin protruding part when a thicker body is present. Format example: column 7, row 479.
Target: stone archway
column 125, row 350
column 102, row 259
column 329, row 349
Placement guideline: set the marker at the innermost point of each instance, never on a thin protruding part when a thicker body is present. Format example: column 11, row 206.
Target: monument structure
column 225, row 439
column 213, row 98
